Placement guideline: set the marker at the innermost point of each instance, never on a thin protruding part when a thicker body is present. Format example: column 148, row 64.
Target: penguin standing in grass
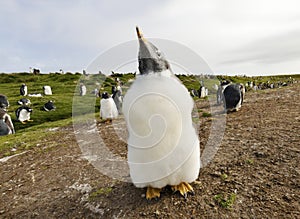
column 23, row 90
column 82, row 89
column 6, row 125
column 163, row 146
column 23, row 114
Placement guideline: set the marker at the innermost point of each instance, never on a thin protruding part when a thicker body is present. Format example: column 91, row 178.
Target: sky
column 234, row 37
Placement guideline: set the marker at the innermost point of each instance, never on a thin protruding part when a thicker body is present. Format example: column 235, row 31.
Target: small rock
column 157, row 213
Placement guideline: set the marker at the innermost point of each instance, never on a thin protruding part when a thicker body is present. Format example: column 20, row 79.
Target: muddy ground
column 254, row 174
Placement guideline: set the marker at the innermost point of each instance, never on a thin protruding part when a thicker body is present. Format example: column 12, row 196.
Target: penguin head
column 151, row 59
column 3, row 102
column 225, row 82
column 105, row 95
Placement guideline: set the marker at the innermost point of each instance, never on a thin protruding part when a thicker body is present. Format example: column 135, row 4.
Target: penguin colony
column 110, row 105
column 23, row 112
column 163, row 146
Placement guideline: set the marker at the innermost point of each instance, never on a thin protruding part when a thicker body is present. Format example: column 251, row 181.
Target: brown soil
column 254, row 174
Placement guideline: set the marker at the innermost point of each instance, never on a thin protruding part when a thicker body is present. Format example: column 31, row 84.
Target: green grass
column 99, row 192
column 225, row 200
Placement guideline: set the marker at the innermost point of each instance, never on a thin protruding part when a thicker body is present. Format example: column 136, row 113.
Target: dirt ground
column 254, row 174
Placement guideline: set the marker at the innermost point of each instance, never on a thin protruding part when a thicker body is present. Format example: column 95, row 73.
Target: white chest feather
column 108, row 109
column 163, row 146
column 24, row 115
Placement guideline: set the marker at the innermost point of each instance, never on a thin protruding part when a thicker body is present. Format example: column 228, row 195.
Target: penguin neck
column 166, row 73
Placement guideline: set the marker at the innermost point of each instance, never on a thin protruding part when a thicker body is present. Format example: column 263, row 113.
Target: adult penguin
column 49, row 106
column 23, row 90
column 117, row 97
column 108, row 109
column 163, row 146
column 23, row 114
column 233, row 97
column 6, row 125
column 221, row 88
column 4, row 103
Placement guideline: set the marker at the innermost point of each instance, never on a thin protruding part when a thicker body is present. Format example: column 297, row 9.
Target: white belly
column 108, row 109
column 163, row 146
column 24, row 115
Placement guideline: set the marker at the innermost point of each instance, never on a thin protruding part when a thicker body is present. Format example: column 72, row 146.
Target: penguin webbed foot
column 152, row 193
column 184, row 188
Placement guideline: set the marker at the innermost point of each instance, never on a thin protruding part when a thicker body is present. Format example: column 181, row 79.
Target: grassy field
column 65, row 88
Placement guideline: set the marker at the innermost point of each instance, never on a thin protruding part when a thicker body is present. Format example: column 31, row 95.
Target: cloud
column 273, row 49
column 69, row 34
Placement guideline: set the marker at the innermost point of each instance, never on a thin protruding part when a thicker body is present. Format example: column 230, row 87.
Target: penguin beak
column 146, row 49
column 139, row 34
column 150, row 58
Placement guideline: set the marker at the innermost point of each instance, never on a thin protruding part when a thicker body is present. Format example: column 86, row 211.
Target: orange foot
column 184, row 188
column 152, row 193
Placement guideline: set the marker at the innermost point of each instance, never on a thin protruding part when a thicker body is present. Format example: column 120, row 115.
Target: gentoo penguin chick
column 6, row 125
column 163, row 146
column 4, row 103
column 24, row 101
column 49, row 106
column 233, row 97
column 23, row 90
column 108, row 109
column 23, row 114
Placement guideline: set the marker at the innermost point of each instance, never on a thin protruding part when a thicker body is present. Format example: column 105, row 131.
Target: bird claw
column 152, row 193
column 184, row 188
